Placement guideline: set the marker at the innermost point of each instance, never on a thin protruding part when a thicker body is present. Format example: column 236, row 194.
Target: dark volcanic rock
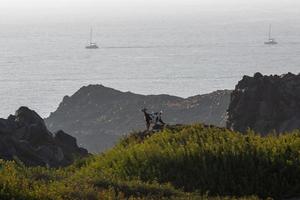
column 98, row 116
column 25, row 137
column 265, row 104
column 26, row 117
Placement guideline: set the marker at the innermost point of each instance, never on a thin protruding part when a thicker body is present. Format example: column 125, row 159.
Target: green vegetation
column 181, row 162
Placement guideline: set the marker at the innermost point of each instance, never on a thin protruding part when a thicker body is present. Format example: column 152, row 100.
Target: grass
column 180, row 162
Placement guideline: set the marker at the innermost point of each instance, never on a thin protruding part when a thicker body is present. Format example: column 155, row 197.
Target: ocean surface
column 40, row 64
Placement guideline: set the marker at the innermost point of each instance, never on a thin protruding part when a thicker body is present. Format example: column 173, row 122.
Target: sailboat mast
column 91, row 36
column 270, row 28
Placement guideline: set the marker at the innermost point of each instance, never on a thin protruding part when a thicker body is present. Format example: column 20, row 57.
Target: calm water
column 41, row 64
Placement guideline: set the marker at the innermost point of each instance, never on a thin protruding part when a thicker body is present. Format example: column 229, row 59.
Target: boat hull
column 92, row 47
column 271, row 43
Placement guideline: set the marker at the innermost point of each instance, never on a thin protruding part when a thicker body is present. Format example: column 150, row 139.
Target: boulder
column 25, row 117
column 51, row 154
column 68, row 145
column 25, row 138
column 65, row 139
column 265, row 104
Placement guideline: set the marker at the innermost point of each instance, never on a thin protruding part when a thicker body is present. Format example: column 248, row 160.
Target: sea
column 41, row 63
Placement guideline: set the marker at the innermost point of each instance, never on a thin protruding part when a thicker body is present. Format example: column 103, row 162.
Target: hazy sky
column 14, row 11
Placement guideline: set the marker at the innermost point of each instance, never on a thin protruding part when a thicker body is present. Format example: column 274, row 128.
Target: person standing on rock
column 158, row 118
column 153, row 118
column 148, row 118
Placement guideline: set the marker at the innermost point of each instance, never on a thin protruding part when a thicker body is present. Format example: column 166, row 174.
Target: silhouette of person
column 148, row 118
column 158, row 118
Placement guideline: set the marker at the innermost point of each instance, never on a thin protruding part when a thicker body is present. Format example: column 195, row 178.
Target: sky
column 22, row 11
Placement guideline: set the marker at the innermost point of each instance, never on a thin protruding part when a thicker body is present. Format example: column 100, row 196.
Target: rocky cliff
column 265, row 104
column 98, row 115
column 24, row 137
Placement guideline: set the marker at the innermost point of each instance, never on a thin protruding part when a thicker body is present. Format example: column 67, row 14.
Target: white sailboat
column 91, row 45
column 271, row 41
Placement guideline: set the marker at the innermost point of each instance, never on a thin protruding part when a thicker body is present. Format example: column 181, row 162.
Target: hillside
column 180, row 162
column 98, row 116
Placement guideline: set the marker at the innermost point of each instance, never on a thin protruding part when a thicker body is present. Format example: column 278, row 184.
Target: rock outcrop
column 265, row 104
column 25, row 137
column 98, row 116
